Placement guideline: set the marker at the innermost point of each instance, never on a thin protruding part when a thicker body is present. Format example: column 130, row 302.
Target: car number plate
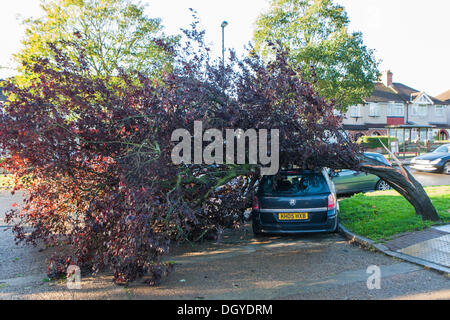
column 293, row 216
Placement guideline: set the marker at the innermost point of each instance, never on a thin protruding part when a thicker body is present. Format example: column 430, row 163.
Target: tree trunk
column 402, row 181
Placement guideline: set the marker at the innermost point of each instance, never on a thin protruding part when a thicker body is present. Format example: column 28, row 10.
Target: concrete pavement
column 431, row 245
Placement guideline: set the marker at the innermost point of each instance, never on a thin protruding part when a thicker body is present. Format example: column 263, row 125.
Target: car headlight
column 436, row 161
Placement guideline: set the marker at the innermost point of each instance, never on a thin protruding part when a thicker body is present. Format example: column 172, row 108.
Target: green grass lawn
column 381, row 215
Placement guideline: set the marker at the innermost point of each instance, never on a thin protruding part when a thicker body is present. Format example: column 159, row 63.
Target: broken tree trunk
column 401, row 180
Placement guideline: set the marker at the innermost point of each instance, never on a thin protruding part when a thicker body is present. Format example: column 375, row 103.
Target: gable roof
column 381, row 93
column 409, row 94
column 444, row 96
column 421, row 97
column 404, row 91
column 400, row 93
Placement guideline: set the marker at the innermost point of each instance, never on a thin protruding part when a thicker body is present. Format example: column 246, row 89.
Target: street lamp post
column 223, row 25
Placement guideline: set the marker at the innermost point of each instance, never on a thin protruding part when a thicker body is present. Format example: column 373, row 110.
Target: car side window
column 443, row 149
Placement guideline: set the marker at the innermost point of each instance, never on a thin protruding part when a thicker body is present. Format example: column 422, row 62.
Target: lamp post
column 223, row 25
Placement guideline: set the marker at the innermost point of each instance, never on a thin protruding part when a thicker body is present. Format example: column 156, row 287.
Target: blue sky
column 409, row 36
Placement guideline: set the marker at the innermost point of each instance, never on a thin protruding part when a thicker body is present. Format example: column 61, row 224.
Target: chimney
column 386, row 78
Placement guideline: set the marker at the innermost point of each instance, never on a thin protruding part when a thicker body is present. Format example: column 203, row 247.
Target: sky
column 410, row 37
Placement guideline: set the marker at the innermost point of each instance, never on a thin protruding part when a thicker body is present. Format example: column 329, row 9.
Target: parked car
column 349, row 181
column 295, row 201
column 436, row 161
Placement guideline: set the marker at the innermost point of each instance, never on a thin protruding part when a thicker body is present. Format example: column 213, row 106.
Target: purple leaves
column 96, row 152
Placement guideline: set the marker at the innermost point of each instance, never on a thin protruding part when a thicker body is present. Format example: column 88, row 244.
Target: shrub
column 374, row 142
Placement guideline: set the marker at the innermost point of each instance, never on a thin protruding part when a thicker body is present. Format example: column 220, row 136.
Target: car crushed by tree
column 93, row 154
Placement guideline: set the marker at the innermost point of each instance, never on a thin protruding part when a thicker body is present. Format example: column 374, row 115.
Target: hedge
column 374, row 142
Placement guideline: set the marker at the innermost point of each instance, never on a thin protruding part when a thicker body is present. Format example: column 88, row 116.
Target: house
column 446, row 98
column 397, row 106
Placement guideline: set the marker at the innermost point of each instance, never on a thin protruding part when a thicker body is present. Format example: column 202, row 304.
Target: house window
column 355, row 112
column 374, row 110
column 395, row 110
column 419, row 110
column 414, row 134
column 439, row 111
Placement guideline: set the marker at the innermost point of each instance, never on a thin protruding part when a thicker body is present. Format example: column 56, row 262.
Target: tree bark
column 401, row 180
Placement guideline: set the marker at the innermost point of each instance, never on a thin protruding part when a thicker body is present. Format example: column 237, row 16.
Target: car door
column 365, row 182
column 344, row 181
column 349, row 181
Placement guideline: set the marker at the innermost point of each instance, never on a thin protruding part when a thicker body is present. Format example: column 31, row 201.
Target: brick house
column 396, row 104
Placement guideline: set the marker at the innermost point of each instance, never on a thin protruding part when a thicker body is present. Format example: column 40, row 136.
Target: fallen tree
column 402, row 181
column 93, row 154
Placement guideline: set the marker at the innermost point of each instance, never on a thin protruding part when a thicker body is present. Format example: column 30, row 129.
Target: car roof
column 444, row 145
column 374, row 153
column 299, row 171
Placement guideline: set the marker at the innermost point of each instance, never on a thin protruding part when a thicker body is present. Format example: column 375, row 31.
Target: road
column 431, row 179
column 319, row 266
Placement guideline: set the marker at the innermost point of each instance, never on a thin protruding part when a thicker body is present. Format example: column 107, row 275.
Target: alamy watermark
column 213, row 153
column 374, row 280
column 73, row 278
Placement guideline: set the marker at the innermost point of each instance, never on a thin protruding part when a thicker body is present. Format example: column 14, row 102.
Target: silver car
column 436, row 161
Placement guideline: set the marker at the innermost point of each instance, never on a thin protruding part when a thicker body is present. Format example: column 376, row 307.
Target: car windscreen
column 294, row 184
column 442, row 149
column 377, row 157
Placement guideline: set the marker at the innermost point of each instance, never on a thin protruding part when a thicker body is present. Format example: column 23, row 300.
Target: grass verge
column 383, row 214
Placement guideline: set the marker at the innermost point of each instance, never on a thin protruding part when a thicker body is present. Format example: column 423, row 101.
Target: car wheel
column 446, row 169
column 337, row 229
column 382, row 186
column 256, row 231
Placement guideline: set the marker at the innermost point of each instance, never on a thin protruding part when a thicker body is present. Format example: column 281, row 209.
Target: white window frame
column 439, row 113
column 419, row 110
column 415, row 109
column 355, row 111
column 395, row 109
column 414, row 134
column 423, row 110
column 374, row 110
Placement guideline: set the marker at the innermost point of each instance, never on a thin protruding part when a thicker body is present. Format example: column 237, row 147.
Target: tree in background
column 114, row 34
column 316, row 32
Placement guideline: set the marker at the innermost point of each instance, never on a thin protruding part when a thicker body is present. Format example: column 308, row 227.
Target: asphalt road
column 319, row 266
column 431, row 179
